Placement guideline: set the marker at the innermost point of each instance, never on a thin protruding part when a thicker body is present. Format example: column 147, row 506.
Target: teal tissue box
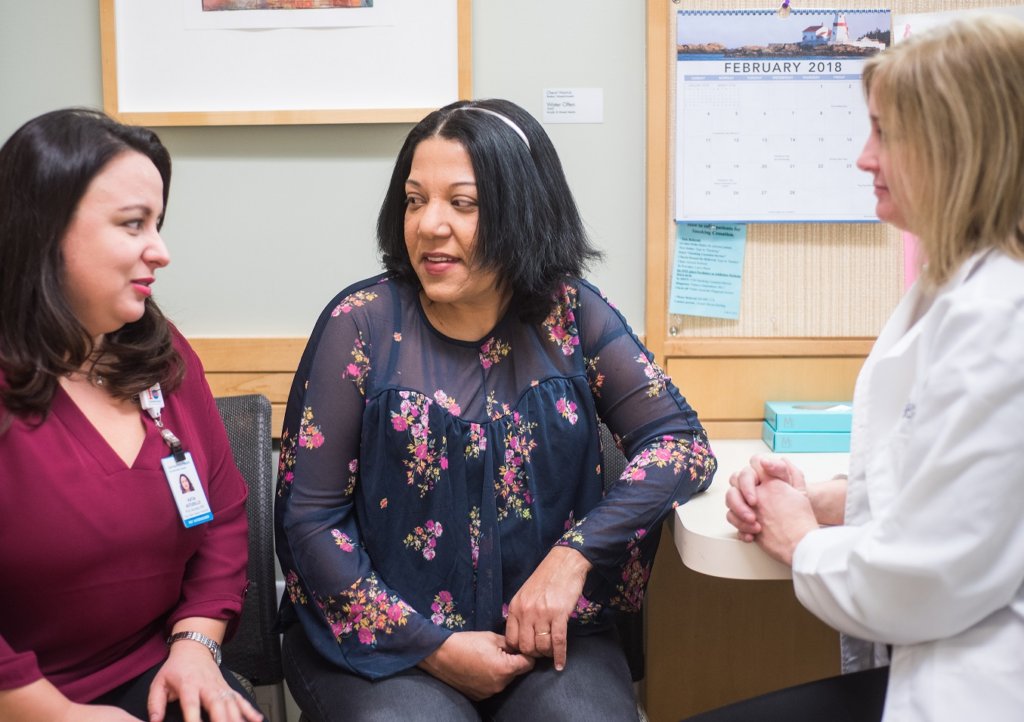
column 809, row 415
column 795, row 441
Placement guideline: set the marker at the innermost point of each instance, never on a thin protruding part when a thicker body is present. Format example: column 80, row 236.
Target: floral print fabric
column 422, row 479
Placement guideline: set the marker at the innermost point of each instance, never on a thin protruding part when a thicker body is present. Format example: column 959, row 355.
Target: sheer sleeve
column 664, row 442
column 348, row 611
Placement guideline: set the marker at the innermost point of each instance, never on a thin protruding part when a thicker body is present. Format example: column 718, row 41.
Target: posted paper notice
column 708, row 272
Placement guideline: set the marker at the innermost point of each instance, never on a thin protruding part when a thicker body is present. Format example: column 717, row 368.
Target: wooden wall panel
column 735, row 389
column 270, row 384
column 249, row 354
column 731, row 429
column 236, row 366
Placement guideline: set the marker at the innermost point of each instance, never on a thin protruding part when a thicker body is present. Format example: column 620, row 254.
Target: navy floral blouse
column 422, row 479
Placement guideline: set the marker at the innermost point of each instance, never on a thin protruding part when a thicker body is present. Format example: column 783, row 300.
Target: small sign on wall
column 574, row 105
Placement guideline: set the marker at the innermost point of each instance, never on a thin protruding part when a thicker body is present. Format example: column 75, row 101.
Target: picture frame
column 414, row 57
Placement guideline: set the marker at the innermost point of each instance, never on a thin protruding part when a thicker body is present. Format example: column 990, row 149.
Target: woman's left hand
column 538, row 615
column 785, row 516
column 191, row 677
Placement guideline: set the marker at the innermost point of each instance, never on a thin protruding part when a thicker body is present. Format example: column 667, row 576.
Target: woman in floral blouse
column 449, row 546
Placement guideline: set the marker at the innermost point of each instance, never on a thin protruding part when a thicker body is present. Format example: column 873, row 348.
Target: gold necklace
column 92, row 377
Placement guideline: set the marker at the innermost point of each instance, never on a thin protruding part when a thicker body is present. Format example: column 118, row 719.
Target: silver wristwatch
column 202, row 639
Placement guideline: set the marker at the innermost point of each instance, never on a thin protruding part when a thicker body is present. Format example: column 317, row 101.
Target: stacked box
column 794, row 426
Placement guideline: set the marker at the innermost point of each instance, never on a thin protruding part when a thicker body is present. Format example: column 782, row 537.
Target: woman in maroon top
column 117, row 590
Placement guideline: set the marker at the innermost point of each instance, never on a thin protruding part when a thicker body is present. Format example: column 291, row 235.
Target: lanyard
column 179, row 469
column 152, row 402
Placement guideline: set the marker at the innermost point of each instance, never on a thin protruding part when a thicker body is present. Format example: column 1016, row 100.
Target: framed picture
column 262, row 62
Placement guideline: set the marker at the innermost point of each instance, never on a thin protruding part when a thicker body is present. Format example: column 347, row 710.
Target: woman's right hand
column 741, row 498
column 40, row 701
column 477, row 664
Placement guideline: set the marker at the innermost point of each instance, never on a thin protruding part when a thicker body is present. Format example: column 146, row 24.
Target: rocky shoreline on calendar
column 777, row 50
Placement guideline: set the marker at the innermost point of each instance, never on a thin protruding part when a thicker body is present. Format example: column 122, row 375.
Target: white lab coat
column 931, row 559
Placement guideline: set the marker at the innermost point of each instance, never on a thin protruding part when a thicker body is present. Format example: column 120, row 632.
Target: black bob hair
column 46, row 167
column 530, row 232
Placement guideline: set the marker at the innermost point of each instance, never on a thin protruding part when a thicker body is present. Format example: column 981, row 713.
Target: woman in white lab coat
column 922, row 550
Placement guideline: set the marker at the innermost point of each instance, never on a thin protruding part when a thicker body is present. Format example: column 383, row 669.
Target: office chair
column 254, row 653
column 630, row 626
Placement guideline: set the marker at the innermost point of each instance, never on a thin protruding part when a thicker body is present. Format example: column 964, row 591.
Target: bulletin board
column 172, row 62
column 801, row 280
column 834, row 283
column 814, row 297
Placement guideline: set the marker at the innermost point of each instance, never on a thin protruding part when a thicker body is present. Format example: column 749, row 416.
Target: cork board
column 801, row 280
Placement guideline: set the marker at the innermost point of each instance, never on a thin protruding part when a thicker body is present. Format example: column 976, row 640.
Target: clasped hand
column 478, row 664
column 481, row 664
column 768, row 503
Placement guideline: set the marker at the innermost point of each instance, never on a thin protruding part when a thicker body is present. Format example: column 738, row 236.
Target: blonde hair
column 951, row 104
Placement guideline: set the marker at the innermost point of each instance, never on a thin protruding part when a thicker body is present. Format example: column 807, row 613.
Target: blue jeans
column 595, row 685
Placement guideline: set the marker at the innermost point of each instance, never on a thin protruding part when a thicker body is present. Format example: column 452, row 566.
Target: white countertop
column 708, row 543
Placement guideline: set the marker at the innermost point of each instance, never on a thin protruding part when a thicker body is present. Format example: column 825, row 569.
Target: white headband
column 500, row 117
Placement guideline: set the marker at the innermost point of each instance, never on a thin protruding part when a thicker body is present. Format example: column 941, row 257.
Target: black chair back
column 255, row 650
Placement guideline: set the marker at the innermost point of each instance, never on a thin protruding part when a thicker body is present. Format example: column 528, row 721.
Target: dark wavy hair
column 45, row 169
column 530, row 232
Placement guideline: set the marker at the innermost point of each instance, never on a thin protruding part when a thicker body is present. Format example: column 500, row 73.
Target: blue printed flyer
column 708, row 272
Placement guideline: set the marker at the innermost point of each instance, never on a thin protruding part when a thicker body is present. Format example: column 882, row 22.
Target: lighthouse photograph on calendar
column 771, row 115
column 762, row 33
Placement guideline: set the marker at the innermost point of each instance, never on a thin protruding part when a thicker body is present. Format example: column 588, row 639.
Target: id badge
column 187, row 490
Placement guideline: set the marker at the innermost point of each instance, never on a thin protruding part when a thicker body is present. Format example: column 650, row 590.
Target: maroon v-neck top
column 95, row 562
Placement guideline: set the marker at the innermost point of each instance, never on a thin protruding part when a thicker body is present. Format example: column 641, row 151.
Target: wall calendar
column 770, row 114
